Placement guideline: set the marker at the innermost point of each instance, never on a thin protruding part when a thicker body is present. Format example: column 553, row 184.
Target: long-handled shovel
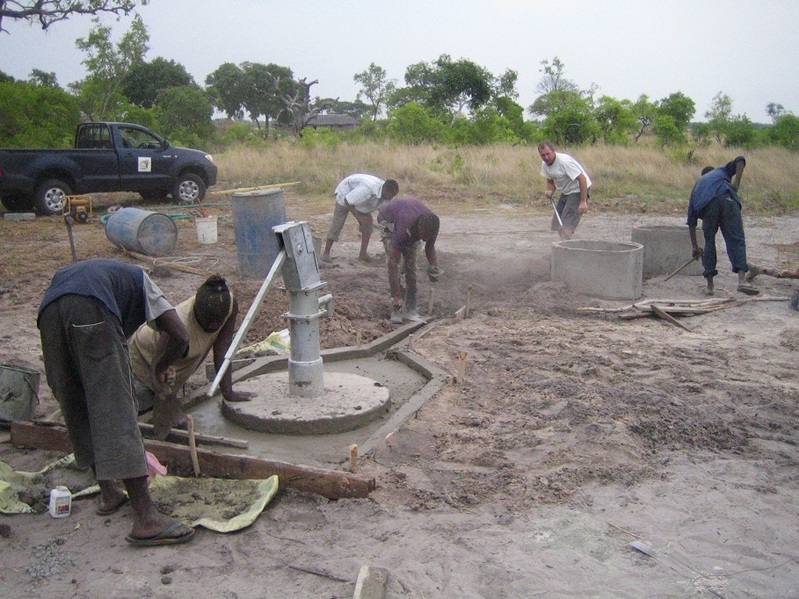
column 555, row 208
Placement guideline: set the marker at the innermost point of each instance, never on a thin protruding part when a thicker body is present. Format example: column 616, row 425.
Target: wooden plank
column 327, row 483
column 668, row 318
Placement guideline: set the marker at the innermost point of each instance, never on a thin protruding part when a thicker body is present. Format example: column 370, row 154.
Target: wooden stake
column 195, row 461
column 353, row 458
column 468, row 301
column 430, row 301
column 461, row 368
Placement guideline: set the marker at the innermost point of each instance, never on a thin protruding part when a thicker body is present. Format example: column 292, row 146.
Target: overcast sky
column 746, row 49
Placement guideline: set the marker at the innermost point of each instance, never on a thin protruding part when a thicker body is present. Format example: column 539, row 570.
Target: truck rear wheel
column 153, row 196
column 16, row 203
column 51, row 197
column 190, row 188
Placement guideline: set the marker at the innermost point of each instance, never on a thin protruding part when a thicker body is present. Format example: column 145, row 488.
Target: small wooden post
column 353, row 458
column 461, row 368
column 468, row 301
column 195, row 461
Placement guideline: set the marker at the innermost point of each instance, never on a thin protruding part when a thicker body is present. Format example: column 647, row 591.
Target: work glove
column 433, row 273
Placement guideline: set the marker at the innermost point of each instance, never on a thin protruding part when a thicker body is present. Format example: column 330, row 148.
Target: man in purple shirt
column 404, row 224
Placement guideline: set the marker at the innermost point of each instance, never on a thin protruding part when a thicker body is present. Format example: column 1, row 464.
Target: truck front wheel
column 190, row 188
column 51, row 197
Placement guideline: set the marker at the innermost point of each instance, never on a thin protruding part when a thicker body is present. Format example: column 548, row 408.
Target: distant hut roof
column 333, row 120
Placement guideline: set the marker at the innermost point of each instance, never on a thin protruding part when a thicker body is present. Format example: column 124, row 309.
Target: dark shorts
column 568, row 208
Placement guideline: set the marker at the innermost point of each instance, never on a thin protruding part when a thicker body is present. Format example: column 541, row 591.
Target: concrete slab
column 349, row 401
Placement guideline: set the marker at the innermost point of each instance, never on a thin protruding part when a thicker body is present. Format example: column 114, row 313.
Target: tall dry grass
column 637, row 177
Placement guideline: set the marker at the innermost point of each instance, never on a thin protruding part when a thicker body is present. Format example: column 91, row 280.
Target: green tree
column 679, row 107
column 47, row 12
column 486, row 126
column 616, row 119
column 185, row 114
column 740, row 132
column 785, row 132
column 225, row 87
column 36, row 116
column 554, row 78
column 446, row 87
column 145, row 80
column 262, row 89
column 376, row 87
column 719, row 115
column 668, row 131
column 43, row 79
column 412, row 123
column 645, row 113
column 100, row 93
column 774, row 110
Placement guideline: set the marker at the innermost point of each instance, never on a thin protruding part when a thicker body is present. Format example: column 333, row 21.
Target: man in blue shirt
column 714, row 200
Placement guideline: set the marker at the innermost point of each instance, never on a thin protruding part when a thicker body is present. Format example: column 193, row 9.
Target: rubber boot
column 410, row 304
column 396, row 316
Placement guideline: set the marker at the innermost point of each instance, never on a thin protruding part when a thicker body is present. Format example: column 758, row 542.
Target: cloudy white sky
column 746, row 49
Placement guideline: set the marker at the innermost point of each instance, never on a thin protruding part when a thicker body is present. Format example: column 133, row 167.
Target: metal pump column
column 301, row 277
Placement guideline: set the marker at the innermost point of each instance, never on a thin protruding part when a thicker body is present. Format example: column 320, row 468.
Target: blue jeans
column 723, row 213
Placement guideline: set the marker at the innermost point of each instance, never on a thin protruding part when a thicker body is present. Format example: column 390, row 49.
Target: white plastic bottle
column 60, row 502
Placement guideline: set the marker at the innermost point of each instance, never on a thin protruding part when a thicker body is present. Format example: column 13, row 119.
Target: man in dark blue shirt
column 714, row 200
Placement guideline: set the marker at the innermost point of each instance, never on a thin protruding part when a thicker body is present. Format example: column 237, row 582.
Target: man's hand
column 696, row 252
column 548, row 193
column 433, row 273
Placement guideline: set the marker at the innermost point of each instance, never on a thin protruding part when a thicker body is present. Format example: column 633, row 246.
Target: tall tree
column 225, row 87
column 261, row 95
column 679, row 107
column 145, row 80
column 43, row 79
column 775, row 110
column 645, row 114
column 718, row 115
column 554, row 78
column 100, row 92
column 47, row 12
column 447, row 87
column 375, row 87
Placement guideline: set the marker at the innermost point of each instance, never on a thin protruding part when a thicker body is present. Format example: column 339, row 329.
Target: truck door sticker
column 145, row 164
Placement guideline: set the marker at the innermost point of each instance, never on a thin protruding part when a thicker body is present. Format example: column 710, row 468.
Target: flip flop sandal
column 162, row 538
column 748, row 289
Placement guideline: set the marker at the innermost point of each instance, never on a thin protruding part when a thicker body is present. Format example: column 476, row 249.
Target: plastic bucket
column 19, row 392
column 142, row 231
column 254, row 215
column 206, row 229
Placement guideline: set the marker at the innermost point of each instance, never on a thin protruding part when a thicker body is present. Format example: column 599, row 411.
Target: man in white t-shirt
column 564, row 174
column 360, row 195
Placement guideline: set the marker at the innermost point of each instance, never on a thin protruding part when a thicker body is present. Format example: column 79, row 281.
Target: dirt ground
column 584, row 455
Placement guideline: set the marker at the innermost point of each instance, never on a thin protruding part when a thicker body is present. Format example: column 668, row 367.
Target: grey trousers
column 88, row 369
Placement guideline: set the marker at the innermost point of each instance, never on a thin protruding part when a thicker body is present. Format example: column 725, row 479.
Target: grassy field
column 638, row 178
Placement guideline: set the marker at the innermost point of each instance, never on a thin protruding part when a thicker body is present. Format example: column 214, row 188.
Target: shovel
column 555, row 208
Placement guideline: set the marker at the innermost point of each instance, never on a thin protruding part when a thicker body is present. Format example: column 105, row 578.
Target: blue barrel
column 254, row 215
column 142, row 231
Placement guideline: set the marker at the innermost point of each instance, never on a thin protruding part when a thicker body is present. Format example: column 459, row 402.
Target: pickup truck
column 106, row 157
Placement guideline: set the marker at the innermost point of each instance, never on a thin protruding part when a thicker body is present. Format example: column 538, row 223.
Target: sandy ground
column 573, row 435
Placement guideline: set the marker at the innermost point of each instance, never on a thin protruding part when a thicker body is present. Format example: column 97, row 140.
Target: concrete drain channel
column 370, row 390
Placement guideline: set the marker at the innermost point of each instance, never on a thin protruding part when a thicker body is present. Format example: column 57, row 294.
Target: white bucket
column 206, row 229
